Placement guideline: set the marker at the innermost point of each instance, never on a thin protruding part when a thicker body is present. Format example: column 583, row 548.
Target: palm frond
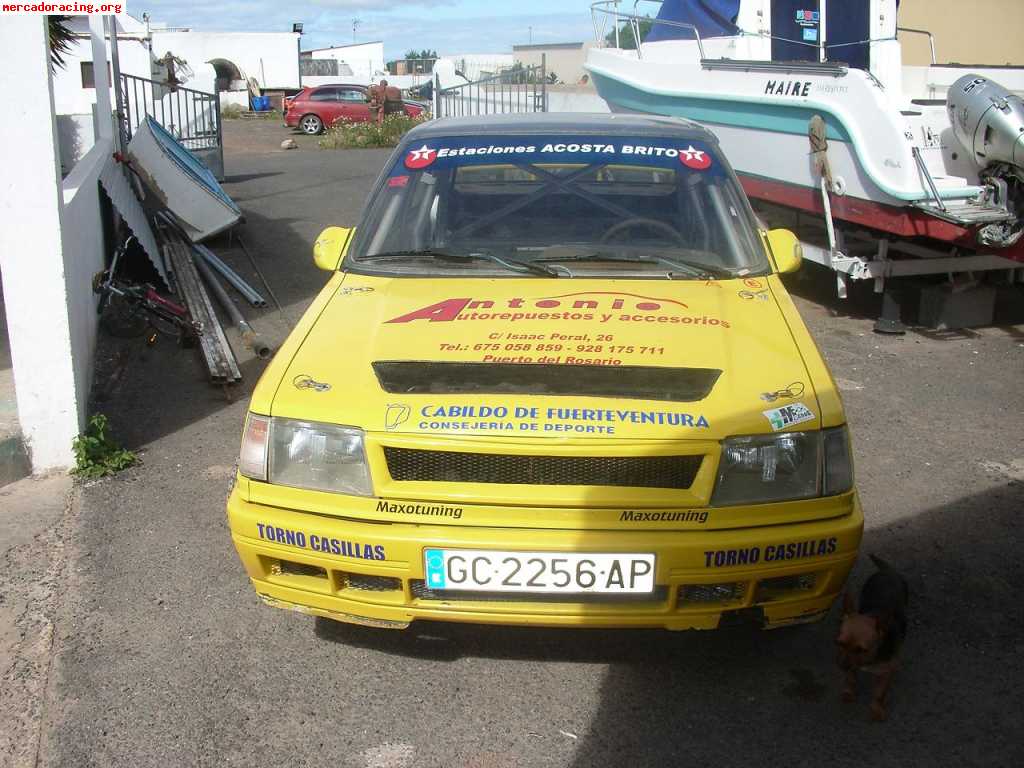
column 60, row 35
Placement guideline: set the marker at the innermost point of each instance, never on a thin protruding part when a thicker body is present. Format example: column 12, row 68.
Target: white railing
column 601, row 11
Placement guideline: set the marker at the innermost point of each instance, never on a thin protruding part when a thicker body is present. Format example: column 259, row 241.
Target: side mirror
column 330, row 247
column 786, row 250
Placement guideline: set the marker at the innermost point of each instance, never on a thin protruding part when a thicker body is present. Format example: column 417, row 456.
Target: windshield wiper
column 526, row 267
column 693, row 268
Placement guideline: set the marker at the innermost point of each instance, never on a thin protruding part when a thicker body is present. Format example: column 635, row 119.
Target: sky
column 447, row 26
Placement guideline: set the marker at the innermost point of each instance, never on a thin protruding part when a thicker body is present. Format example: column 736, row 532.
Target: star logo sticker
column 420, row 158
column 697, row 159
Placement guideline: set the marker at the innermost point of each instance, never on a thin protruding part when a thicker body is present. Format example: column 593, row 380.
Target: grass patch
column 346, row 134
column 96, row 454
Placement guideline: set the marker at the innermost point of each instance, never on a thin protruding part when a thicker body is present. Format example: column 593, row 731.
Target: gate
column 519, row 89
column 192, row 117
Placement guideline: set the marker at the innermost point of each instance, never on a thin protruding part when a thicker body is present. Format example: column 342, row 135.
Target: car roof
column 597, row 123
column 336, row 85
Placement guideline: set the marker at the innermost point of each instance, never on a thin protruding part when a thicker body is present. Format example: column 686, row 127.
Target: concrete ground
column 163, row 655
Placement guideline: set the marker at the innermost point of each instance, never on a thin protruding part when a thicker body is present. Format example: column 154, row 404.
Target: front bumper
column 372, row 573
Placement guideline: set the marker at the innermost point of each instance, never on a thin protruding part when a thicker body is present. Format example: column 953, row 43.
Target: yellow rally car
column 554, row 379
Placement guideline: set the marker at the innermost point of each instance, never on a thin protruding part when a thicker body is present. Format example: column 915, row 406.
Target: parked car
column 554, row 379
column 313, row 109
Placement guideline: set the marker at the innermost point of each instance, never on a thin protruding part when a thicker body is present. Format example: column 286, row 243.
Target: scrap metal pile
column 171, row 202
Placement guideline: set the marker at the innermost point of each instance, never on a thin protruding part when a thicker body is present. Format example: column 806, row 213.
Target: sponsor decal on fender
column 772, row 553
column 321, row 544
column 788, row 416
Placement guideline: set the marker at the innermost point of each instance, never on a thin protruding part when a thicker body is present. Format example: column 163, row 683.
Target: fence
column 192, row 117
column 519, row 89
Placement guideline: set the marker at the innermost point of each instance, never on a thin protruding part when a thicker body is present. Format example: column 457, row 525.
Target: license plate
column 589, row 572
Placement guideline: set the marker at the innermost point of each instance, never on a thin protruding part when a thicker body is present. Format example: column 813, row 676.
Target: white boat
column 180, row 182
column 807, row 99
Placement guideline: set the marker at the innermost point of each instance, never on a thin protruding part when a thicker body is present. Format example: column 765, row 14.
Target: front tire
column 311, row 125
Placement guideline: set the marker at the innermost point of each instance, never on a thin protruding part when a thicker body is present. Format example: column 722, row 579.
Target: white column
column 101, row 79
column 31, row 248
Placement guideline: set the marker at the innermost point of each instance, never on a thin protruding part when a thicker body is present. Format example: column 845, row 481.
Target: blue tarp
column 848, row 26
column 712, row 18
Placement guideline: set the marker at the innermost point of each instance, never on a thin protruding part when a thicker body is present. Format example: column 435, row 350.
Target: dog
column 872, row 633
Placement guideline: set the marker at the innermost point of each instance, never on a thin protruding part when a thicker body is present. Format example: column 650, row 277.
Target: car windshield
column 551, row 206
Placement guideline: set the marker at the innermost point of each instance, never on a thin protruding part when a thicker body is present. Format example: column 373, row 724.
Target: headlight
column 301, row 454
column 795, row 465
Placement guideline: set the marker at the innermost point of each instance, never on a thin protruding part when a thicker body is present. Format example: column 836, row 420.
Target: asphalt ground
column 164, row 656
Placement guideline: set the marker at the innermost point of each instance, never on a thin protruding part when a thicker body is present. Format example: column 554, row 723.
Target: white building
column 74, row 91
column 224, row 62
column 564, row 60
column 359, row 63
column 269, row 58
column 477, row 66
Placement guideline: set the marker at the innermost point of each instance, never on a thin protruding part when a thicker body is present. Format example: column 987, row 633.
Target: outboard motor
column 988, row 121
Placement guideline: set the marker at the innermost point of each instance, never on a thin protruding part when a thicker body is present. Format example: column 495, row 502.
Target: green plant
column 231, row 111
column 346, row 134
column 627, row 40
column 96, row 454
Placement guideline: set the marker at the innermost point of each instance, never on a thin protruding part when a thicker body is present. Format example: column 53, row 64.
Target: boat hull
column 768, row 146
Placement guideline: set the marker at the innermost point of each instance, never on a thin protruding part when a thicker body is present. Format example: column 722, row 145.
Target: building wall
column 84, row 256
column 564, row 61
column 366, row 60
column 979, row 32
column 49, row 253
column 272, row 58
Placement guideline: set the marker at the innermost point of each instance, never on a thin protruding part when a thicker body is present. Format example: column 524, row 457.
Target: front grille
column 288, row 568
column 366, row 583
column 726, row 592
column 780, row 587
column 421, row 591
column 414, row 465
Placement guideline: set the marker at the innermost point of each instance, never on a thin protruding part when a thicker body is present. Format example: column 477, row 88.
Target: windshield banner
column 442, row 154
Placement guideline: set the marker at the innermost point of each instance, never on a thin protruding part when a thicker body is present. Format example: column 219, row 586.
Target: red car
column 313, row 109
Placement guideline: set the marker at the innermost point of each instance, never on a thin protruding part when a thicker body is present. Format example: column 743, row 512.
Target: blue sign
column 650, row 151
column 436, row 578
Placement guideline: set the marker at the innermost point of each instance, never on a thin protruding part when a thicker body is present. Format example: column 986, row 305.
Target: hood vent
column 632, row 382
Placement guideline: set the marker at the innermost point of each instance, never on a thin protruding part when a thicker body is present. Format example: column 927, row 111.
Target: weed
column 347, row 134
column 96, row 454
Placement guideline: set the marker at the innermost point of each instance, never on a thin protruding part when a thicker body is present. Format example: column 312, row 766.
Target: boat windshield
column 550, row 206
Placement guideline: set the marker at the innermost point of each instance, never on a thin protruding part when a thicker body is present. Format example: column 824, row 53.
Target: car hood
column 558, row 359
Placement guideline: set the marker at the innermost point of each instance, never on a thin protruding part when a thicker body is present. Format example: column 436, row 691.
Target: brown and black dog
column 871, row 634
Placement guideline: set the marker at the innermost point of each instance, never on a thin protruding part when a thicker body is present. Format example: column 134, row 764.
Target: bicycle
column 129, row 309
